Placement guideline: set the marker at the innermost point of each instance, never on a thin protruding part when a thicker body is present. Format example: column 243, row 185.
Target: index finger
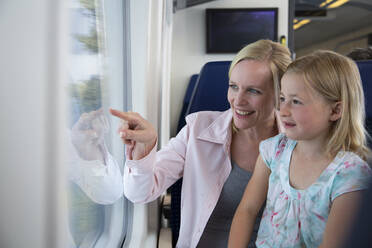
column 123, row 115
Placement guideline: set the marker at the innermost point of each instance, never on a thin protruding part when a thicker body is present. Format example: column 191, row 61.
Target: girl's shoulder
column 272, row 148
column 350, row 161
column 276, row 143
column 350, row 174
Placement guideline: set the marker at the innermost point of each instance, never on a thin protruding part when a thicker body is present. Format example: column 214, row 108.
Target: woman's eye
column 254, row 91
column 296, row 101
column 233, row 86
column 281, row 99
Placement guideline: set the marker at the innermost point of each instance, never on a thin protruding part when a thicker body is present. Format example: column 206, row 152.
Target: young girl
column 312, row 175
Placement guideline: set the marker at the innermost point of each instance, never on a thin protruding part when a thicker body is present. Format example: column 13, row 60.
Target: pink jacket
column 201, row 154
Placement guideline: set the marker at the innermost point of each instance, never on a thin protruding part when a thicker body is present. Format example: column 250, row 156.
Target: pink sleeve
column 146, row 179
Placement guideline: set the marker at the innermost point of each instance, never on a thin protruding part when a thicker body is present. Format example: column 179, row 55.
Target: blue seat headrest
column 210, row 91
column 186, row 101
column 365, row 70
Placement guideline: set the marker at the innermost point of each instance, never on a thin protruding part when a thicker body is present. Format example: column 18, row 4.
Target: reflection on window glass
column 94, row 177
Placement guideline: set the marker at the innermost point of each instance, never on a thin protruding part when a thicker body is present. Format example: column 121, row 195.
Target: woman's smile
column 243, row 114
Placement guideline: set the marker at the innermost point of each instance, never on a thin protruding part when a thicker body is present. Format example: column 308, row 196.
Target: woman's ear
column 336, row 111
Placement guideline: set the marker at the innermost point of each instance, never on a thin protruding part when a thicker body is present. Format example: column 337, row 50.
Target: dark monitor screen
column 229, row 30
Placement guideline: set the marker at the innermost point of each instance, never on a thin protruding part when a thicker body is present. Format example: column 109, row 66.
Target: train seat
column 186, row 101
column 365, row 69
column 175, row 189
column 208, row 93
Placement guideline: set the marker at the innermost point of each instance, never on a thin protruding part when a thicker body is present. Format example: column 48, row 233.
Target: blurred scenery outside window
column 94, row 178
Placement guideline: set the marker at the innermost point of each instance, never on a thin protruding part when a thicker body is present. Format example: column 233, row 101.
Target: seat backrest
column 186, row 101
column 210, row 91
column 365, row 70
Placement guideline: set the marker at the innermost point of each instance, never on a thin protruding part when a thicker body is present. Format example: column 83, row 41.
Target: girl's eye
column 296, row 101
column 281, row 99
column 233, row 86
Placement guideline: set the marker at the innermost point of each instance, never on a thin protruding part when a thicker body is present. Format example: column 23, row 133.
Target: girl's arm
column 251, row 203
column 340, row 219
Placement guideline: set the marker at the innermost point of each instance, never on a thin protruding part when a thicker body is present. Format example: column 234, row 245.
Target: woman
column 215, row 152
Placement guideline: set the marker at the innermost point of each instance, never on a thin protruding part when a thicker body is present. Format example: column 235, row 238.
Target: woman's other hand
column 137, row 134
column 87, row 135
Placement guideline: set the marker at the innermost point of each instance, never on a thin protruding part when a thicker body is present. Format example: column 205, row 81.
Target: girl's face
column 251, row 94
column 305, row 114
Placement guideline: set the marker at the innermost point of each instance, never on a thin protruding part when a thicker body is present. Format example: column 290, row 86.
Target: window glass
column 94, row 175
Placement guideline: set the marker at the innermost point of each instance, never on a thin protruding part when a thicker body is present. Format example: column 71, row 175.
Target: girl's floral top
column 297, row 218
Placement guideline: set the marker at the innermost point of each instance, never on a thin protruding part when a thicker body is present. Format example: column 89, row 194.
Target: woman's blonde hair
column 337, row 79
column 276, row 55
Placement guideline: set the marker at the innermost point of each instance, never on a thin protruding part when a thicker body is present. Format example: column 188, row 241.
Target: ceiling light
column 337, row 3
column 301, row 23
column 325, row 3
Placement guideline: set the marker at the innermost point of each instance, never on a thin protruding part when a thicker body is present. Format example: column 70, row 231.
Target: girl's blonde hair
column 276, row 55
column 337, row 79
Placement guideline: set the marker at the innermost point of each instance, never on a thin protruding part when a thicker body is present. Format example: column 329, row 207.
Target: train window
column 96, row 206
